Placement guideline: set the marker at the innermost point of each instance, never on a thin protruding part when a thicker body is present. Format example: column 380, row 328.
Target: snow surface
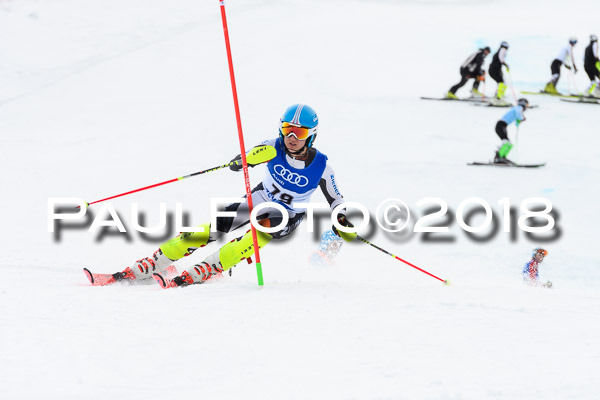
column 101, row 97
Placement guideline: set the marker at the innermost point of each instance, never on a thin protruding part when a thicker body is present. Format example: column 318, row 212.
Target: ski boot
column 451, row 96
column 144, row 268
column 550, row 88
column 476, row 93
column 500, row 91
column 594, row 91
column 502, row 160
column 500, row 157
column 199, row 273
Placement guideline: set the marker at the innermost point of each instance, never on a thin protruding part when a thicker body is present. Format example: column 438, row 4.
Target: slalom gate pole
column 241, row 139
column 446, row 282
column 161, row 183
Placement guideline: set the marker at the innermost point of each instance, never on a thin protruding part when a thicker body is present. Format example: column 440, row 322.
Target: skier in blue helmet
column 294, row 170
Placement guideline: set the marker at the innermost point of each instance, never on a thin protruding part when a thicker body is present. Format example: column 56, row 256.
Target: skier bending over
column 515, row 114
column 591, row 64
column 291, row 177
column 531, row 269
column 566, row 53
column 471, row 68
column 495, row 69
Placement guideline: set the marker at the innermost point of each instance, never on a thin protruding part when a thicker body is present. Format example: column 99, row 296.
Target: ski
column 572, row 96
column 492, row 104
column 491, row 164
column 99, row 279
column 585, row 100
column 163, row 282
column 468, row 99
column 109, row 279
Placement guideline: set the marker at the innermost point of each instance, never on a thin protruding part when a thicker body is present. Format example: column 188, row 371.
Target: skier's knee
column 186, row 243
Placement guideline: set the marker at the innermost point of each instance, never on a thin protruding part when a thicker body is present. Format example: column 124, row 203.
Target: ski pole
column 517, row 144
column 483, row 91
column 512, row 88
column 258, row 155
column 572, row 80
column 446, row 282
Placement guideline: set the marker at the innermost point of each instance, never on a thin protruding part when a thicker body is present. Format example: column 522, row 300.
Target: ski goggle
column 300, row 132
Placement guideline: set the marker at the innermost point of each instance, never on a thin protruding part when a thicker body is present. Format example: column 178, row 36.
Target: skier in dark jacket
column 591, row 64
column 495, row 69
column 472, row 68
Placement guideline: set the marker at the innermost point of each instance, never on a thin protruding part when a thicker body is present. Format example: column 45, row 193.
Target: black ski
column 585, row 100
column 469, row 99
column 491, row 164
column 572, row 96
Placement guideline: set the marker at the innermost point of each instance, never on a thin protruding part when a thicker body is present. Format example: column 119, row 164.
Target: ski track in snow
column 103, row 97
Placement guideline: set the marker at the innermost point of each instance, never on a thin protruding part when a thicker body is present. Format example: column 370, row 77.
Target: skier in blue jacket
column 292, row 176
column 515, row 114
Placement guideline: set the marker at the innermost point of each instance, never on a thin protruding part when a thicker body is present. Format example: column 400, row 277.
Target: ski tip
column 160, row 280
column 89, row 275
column 447, row 282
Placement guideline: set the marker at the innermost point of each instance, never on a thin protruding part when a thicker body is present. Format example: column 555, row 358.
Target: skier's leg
column 464, row 78
column 223, row 259
column 592, row 73
column 174, row 249
column 555, row 68
column 504, row 149
column 238, row 249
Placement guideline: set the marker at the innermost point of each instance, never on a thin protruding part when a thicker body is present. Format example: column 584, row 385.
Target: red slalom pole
column 242, row 147
column 446, row 282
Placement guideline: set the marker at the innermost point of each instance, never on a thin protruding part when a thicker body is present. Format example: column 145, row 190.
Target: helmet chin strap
column 298, row 153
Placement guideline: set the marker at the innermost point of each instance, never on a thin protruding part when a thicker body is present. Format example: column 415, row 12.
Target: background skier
column 515, row 114
column 591, row 64
column 566, row 54
column 495, row 69
column 472, row 68
column 531, row 269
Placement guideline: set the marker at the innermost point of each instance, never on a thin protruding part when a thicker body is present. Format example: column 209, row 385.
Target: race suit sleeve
column 328, row 185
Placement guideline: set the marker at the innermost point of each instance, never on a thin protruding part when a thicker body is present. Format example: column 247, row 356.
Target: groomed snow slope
column 101, row 97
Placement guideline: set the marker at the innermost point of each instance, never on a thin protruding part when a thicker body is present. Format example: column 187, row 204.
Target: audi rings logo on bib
column 290, row 176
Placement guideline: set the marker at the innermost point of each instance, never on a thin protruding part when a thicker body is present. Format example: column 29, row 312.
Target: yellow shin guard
column 185, row 244
column 241, row 248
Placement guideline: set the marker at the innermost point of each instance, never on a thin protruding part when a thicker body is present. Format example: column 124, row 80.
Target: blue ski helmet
column 299, row 116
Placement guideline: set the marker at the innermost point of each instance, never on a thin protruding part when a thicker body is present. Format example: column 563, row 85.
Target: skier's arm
column 331, row 192
column 502, row 58
column 330, row 189
column 238, row 159
column 520, row 117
